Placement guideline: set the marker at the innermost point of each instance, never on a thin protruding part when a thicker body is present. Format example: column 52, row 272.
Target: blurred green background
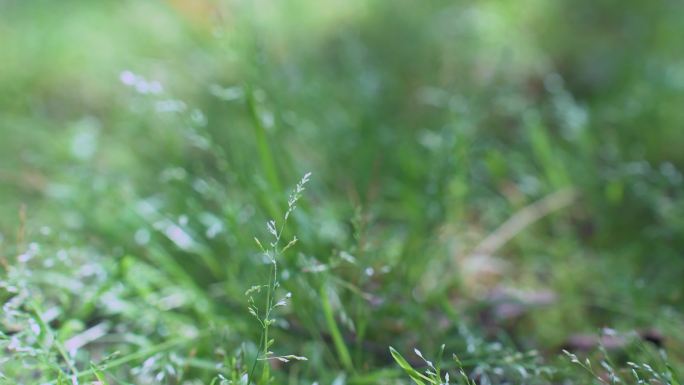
column 148, row 142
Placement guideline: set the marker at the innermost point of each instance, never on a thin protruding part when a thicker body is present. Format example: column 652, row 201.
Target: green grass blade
column 338, row 341
column 416, row 376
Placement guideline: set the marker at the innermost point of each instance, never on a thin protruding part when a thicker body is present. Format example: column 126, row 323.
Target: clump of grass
column 491, row 369
column 46, row 295
column 656, row 369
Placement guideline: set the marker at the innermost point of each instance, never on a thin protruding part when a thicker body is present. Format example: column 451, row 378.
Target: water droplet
column 84, row 142
column 198, row 117
column 127, row 77
column 178, row 236
column 170, row 105
column 155, row 87
column 183, row 220
column 142, row 237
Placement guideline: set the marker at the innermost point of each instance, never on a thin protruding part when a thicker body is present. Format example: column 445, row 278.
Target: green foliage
column 143, row 145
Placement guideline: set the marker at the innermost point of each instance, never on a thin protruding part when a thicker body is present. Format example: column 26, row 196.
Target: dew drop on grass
column 142, row 237
column 155, row 87
column 62, row 255
column 198, row 117
column 214, row 226
column 142, row 86
column 128, row 78
column 183, row 220
column 169, row 105
column 178, row 236
column 226, row 94
column 84, row 141
column 35, row 328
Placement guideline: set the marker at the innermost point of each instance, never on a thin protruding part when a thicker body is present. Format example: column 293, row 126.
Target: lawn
column 341, row 192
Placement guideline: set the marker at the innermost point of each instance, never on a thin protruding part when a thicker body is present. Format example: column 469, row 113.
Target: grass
column 491, row 184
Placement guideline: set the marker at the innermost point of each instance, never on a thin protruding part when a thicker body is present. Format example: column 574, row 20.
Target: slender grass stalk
column 265, row 317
